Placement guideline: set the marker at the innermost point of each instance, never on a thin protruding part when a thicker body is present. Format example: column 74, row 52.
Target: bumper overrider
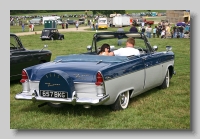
column 73, row 100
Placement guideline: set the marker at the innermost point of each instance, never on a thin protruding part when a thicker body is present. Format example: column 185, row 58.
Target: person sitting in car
column 105, row 49
column 129, row 50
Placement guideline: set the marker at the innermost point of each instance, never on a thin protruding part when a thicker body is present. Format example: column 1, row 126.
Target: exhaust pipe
column 86, row 106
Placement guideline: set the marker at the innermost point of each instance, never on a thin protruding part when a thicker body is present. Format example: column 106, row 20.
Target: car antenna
column 45, row 46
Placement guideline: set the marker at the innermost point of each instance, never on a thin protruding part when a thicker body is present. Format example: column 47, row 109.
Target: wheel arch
column 130, row 90
column 171, row 71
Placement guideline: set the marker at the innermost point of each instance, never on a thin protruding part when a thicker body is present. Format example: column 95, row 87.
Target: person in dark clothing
column 178, row 32
column 66, row 25
column 158, row 31
column 181, row 31
column 133, row 29
column 143, row 30
column 63, row 26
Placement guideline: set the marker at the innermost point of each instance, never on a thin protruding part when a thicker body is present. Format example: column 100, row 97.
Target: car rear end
column 70, row 84
column 45, row 34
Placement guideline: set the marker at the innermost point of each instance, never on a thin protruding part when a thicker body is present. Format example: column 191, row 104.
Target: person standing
column 154, row 31
column 63, row 26
column 90, row 23
column 181, row 32
column 148, row 31
column 174, row 32
column 110, row 25
column 163, row 34
column 158, row 31
column 93, row 27
column 77, row 25
column 86, row 22
column 32, row 27
column 142, row 24
column 143, row 30
column 96, row 25
column 23, row 27
column 168, row 31
column 66, row 25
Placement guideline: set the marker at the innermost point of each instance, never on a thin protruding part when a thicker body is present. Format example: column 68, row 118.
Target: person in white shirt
column 32, row 27
column 128, row 50
column 77, row 24
column 163, row 34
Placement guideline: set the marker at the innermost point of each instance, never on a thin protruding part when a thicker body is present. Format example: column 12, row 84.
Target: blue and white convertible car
column 89, row 79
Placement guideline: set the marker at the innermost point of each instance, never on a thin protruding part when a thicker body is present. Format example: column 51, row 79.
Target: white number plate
column 54, row 94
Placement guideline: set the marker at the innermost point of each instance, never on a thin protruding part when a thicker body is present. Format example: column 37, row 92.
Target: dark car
column 71, row 22
column 51, row 34
column 21, row 58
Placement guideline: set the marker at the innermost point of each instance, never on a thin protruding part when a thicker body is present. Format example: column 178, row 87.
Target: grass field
column 155, row 109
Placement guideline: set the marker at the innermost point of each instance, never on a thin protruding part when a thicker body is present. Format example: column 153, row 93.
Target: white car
column 59, row 22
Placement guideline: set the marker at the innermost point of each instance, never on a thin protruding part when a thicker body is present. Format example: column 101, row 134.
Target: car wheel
column 121, row 102
column 165, row 83
column 55, row 105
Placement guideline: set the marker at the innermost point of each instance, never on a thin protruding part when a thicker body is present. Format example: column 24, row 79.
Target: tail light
column 99, row 79
column 24, row 76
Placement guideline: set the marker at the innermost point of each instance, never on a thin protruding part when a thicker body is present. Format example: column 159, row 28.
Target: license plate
column 53, row 94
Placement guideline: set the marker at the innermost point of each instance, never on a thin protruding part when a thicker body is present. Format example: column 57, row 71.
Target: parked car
column 90, row 79
column 71, row 22
column 36, row 21
column 149, row 22
column 21, row 58
column 51, row 34
column 59, row 22
column 81, row 21
column 138, row 22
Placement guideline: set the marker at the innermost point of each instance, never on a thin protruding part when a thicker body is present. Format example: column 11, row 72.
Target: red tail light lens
column 99, row 79
column 24, row 77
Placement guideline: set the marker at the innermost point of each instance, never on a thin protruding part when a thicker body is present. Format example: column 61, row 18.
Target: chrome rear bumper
column 74, row 100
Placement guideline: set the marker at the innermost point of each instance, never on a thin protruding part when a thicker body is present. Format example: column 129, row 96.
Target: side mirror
column 168, row 48
column 155, row 48
column 89, row 47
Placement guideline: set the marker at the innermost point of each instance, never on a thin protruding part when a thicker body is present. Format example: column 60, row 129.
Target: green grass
column 155, row 109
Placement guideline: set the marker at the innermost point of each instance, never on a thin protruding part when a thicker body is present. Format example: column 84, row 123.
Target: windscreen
column 45, row 32
column 90, row 58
